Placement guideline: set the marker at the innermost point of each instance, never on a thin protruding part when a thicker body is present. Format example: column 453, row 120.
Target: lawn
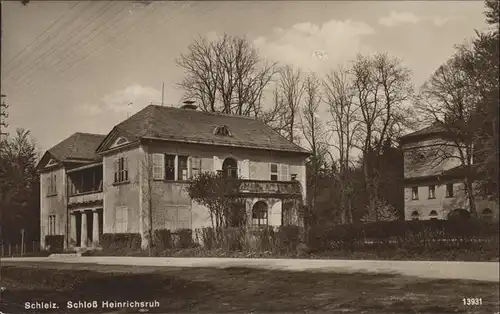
column 237, row 290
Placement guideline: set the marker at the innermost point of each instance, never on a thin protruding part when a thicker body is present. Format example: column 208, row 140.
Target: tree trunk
column 370, row 187
column 469, row 188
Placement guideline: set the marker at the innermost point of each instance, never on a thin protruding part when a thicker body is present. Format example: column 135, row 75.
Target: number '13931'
column 472, row 301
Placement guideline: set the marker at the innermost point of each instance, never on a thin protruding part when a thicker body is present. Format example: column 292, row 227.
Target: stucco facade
column 125, row 178
column 434, row 186
column 53, row 203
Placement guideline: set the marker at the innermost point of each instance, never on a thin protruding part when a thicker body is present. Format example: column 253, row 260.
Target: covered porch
column 86, row 228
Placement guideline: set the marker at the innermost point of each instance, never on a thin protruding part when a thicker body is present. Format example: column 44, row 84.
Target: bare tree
column 382, row 89
column 449, row 99
column 288, row 96
column 225, row 75
column 313, row 131
column 345, row 124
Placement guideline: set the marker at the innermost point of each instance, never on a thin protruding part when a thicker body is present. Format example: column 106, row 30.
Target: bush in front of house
column 287, row 239
column 412, row 236
column 185, row 239
column 121, row 243
column 54, row 243
column 163, row 239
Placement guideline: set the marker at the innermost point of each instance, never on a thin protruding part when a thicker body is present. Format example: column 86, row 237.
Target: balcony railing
column 86, row 198
column 291, row 188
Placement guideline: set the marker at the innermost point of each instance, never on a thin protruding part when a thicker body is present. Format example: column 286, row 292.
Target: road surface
column 482, row 271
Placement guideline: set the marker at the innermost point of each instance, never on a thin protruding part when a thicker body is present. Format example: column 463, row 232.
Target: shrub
column 287, row 239
column 208, row 238
column 232, row 239
column 418, row 236
column 121, row 243
column 54, row 243
column 163, row 239
column 185, row 239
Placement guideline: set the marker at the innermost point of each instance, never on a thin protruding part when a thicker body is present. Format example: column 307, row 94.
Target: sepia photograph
column 249, row 157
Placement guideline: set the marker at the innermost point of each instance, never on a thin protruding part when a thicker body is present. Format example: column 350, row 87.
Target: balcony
column 87, row 198
column 270, row 188
column 85, row 186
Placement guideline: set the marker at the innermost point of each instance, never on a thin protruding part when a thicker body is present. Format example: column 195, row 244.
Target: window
column 449, row 190
column 433, row 215
column 121, row 141
column 51, row 184
column 222, row 130
column 51, row 162
column 415, row 215
column 182, row 167
column 432, row 191
column 121, row 219
column 487, row 214
column 52, row 224
column 121, row 170
column 158, row 166
column 284, row 173
column 259, row 214
column 195, row 166
column 280, row 172
column 274, row 172
column 414, row 193
column 169, row 167
column 230, row 168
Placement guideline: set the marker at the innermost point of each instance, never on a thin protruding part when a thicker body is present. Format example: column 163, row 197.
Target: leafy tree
column 219, row 194
column 19, row 188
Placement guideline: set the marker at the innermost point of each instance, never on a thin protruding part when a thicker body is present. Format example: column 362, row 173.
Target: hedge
column 121, row 243
column 387, row 235
column 54, row 243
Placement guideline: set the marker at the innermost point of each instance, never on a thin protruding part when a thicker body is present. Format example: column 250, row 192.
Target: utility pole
column 162, row 92
column 3, row 115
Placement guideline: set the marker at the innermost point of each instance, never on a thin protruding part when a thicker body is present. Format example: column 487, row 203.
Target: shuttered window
column 182, row 169
column 158, row 166
column 274, row 172
column 195, row 166
column 121, row 219
column 284, row 172
column 121, row 170
column 52, row 225
column 170, row 167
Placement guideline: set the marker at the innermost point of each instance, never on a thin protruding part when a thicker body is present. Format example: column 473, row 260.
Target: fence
column 16, row 249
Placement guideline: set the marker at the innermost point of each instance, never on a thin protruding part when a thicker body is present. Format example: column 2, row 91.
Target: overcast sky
column 75, row 66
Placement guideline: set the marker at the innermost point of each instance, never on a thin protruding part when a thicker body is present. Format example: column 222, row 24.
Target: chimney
column 189, row 104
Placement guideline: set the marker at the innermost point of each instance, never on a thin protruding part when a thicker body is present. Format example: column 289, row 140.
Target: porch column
column 95, row 228
column 72, row 230
column 83, row 233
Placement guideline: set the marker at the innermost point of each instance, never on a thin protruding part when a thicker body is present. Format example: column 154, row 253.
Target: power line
column 107, row 43
column 18, row 55
column 26, row 62
column 77, row 44
column 61, row 72
column 80, row 46
column 54, row 48
column 171, row 16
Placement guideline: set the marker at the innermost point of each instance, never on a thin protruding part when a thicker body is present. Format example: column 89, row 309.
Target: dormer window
column 222, row 130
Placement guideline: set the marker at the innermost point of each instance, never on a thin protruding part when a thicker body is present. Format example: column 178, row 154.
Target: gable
column 115, row 138
column 46, row 161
